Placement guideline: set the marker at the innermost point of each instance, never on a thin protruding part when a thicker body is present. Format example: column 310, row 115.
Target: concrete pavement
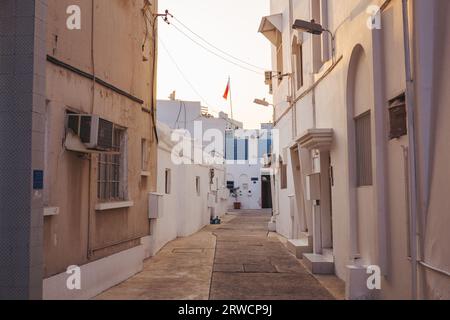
column 237, row 260
column 250, row 265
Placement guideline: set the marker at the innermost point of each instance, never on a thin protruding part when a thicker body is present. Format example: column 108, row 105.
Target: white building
column 240, row 172
column 189, row 194
column 187, row 197
column 360, row 178
column 245, row 150
column 178, row 114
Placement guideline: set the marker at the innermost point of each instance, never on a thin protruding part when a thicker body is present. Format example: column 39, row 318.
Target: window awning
column 271, row 27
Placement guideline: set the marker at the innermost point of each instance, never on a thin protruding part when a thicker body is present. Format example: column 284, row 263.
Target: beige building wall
column 118, row 48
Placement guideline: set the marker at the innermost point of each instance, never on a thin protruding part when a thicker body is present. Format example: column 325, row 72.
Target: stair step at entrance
column 327, row 252
column 298, row 247
column 319, row 263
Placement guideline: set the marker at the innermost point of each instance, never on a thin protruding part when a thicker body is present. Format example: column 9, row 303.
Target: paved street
column 237, row 260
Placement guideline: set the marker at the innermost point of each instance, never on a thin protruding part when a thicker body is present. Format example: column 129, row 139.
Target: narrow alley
column 224, row 150
column 237, row 260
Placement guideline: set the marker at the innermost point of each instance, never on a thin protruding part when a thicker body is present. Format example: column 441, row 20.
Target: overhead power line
column 215, row 53
column 182, row 73
column 217, row 48
column 186, row 78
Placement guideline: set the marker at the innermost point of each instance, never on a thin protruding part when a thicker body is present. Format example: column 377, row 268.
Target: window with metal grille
column 363, row 137
column 111, row 172
column 397, row 117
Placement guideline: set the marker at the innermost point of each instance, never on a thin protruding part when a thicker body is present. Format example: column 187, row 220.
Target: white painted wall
column 96, row 276
column 247, row 173
column 285, row 222
column 179, row 114
column 184, row 212
column 249, row 193
column 360, row 236
column 176, row 114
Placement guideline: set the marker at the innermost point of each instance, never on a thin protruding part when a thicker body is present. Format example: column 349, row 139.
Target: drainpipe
column 410, row 103
column 90, row 188
column 291, row 80
column 154, row 75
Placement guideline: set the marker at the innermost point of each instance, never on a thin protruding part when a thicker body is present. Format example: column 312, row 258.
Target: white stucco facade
column 245, row 151
column 188, row 197
column 245, row 175
column 354, row 225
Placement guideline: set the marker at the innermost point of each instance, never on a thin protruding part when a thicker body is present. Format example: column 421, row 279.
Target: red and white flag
column 227, row 90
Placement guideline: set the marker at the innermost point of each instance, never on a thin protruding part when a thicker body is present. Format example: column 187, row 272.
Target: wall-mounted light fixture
column 309, row 27
column 265, row 103
column 262, row 102
column 313, row 28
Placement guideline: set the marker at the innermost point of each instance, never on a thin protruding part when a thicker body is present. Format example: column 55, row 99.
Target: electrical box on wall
column 313, row 187
column 397, row 117
column 155, row 205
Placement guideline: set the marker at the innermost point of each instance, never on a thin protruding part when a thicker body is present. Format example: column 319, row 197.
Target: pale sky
column 230, row 25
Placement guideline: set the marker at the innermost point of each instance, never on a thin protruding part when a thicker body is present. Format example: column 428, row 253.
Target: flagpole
column 231, row 99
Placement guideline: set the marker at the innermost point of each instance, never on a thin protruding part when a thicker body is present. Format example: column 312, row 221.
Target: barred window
column 111, row 171
column 363, row 137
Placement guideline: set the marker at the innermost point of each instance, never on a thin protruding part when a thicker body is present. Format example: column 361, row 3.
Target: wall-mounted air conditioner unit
column 155, row 205
column 94, row 132
column 268, row 77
